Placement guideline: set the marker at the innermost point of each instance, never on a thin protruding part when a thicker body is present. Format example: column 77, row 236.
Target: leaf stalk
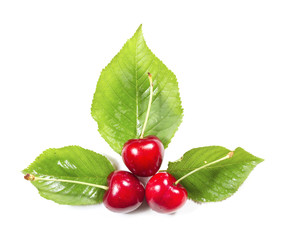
column 149, row 105
column 229, row 155
column 31, row 177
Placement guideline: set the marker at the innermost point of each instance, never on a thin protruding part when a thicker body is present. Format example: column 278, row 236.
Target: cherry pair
column 143, row 157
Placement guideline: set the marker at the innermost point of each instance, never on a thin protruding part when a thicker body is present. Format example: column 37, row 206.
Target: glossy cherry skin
column 143, row 156
column 163, row 195
column 125, row 192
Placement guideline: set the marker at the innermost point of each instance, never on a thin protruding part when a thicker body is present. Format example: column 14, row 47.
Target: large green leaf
column 70, row 163
column 216, row 181
column 121, row 98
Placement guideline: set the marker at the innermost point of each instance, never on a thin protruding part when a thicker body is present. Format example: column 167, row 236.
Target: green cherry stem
column 149, row 105
column 229, row 155
column 31, row 177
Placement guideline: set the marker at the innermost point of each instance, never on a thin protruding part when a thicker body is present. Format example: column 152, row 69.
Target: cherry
column 125, row 192
column 143, row 156
column 163, row 195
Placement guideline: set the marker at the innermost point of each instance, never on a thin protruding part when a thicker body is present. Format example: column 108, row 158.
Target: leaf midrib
column 136, row 89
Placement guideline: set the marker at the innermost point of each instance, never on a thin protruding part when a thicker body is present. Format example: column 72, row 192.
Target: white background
column 230, row 61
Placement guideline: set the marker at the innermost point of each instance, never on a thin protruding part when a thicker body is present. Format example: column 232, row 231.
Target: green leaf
column 216, row 181
column 121, row 98
column 71, row 163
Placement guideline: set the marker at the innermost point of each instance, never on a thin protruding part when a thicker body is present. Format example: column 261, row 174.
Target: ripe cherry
column 143, row 156
column 125, row 192
column 163, row 195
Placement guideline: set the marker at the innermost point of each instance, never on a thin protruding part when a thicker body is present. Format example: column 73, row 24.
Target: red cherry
column 143, row 156
column 125, row 192
column 163, row 195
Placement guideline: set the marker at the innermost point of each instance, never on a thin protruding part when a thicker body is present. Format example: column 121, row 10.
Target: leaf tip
column 139, row 30
column 257, row 159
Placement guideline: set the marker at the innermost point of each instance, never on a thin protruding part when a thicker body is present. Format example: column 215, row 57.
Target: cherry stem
column 229, row 155
column 149, row 105
column 31, row 177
